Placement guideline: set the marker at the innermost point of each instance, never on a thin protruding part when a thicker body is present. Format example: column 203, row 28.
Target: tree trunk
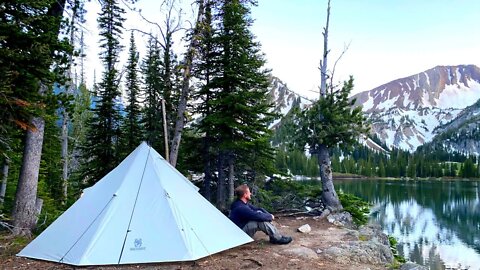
column 165, row 129
column 231, row 178
column 221, row 182
column 26, row 196
column 3, row 187
column 24, row 217
column 182, row 105
column 329, row 196
column 65, row 156
column 207, row 167
column 38, row 209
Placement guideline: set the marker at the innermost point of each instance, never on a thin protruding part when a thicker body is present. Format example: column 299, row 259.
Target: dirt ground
column 259, row 254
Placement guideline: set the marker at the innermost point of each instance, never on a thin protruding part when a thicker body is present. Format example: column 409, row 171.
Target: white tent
column 143, row 211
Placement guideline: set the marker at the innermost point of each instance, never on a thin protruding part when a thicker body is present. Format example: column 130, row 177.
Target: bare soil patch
column 304, row 252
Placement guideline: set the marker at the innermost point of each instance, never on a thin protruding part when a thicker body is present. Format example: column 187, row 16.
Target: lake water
column 437, row 223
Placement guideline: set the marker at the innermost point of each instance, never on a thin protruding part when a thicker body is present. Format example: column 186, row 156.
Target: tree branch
column 345, row 48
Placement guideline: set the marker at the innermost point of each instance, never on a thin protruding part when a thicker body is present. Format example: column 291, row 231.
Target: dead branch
column 293, row 214
column 254, row 261
column 5, row 224
column 345, row 48
column 172, row 23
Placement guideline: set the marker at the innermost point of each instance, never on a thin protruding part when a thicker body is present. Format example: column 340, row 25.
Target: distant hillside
column 461, row 135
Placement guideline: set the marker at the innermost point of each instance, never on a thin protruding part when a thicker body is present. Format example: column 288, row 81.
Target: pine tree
column 239, row 109
column 32, row 57
column 101, row 148
column 204, row 71
column 328, row 123
column 81, row 117
column 381, row 169
column 152, row 88
column 411, row 170
column 168, row 79
column 132, row 130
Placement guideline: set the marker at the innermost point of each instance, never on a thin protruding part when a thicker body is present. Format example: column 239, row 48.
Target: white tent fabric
column 143, row 211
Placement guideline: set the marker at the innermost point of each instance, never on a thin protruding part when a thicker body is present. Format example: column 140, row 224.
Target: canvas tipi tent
column 143, row 211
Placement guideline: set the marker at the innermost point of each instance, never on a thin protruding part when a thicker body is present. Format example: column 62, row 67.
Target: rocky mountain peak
column 440, row 87
column 405, row 112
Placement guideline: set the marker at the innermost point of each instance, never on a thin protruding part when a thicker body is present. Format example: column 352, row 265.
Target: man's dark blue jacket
column 241, row 213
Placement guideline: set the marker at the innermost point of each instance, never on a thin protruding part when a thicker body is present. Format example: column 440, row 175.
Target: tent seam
column 134, row 206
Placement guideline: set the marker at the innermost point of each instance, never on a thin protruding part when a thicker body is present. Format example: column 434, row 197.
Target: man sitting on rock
column 252, row 219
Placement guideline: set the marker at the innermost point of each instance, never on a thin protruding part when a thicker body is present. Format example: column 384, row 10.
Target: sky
column 387, row 39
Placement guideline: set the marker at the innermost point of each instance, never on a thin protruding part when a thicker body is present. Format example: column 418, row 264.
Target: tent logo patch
column 137, row 244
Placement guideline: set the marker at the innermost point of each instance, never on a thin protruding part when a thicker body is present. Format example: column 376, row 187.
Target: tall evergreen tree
column 132, row 131
column 204, row 71
column 239, row 111
column 101, row 148
column 152, row 88
column 81, row 118
column 31, row 57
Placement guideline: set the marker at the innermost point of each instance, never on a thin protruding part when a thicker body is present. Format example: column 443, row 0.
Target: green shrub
column 393, row 247
column 358, row 208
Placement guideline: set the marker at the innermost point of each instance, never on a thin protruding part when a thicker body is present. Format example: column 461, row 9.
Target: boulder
column 305, row 228
column 303, row 252
column 342, row 219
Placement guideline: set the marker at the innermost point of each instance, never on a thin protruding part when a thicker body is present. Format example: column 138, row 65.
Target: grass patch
column 363, row 238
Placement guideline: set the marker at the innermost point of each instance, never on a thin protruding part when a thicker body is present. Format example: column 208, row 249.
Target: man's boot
column 282, row 241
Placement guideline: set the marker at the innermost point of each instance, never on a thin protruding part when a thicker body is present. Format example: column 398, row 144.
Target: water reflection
column 437, row 223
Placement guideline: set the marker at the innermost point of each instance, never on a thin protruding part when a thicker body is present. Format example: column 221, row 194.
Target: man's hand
column 273, row 217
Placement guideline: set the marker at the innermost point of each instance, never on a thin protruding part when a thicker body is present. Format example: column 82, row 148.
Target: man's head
column 243, row 193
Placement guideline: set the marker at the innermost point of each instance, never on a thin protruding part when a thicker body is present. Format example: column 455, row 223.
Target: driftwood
column 293, row 205
column 297, row 212
column 4, row 223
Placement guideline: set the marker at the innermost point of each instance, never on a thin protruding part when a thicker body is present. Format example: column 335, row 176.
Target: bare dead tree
column 187, row 68
column 323, row 63
column 171, row 24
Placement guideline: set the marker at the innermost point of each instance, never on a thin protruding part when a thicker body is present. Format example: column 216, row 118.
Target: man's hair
column 241, row 190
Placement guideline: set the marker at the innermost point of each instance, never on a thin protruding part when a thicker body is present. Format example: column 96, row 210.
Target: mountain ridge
column 406, row 112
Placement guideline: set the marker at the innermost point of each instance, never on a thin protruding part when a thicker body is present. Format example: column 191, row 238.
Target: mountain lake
column 436, row 223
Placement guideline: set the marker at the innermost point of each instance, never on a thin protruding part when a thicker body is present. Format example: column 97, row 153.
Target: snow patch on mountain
column 459, row 96
column 284, row 99
column 406, row 111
